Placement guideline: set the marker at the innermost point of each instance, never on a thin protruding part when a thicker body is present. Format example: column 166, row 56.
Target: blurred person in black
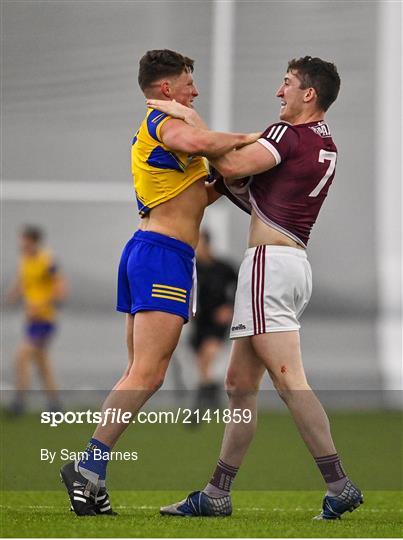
column 216, row 290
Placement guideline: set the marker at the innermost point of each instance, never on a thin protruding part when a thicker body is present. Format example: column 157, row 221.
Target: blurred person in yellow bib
column 41, row 286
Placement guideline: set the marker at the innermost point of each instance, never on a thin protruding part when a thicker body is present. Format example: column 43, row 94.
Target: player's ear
column 166, row 88
column 310, row 94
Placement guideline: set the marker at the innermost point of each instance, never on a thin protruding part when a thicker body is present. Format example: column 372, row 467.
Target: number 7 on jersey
column 328, row 156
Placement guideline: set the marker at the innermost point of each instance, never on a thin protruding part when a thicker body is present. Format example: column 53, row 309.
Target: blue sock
column 93, row 464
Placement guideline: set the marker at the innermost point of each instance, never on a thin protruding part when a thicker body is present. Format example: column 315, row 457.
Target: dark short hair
column 160, row 63
column 320, row 75
column 32, row 232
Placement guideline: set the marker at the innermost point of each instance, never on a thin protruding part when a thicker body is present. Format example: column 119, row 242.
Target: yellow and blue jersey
column 37, row 278
column 159, row 173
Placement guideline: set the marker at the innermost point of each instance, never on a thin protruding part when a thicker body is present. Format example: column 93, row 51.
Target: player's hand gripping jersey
column 159, row 173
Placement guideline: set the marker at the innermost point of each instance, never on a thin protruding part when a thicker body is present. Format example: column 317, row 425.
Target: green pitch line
column 256, row 514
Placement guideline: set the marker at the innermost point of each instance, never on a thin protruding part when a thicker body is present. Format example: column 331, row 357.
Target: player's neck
column 307, row 118
column 155, row 94
column 31, row 254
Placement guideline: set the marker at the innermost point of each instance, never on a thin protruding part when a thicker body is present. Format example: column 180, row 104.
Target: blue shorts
column 155, row 274
column 39, row 332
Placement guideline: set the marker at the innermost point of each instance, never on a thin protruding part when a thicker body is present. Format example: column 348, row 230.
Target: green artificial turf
column 256, row 514
column 278, row 489
column 178, row 457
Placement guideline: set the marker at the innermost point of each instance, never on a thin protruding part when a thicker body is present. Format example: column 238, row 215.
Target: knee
column 156, row 381
column 146, row 379
column 282, row 390
column 24, row 352
column 151, row 382
column 287, row 385
column 40, row 352
column 209, row 348
column 240, row 384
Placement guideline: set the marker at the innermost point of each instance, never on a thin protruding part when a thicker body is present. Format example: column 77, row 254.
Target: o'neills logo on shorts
column 238, row 327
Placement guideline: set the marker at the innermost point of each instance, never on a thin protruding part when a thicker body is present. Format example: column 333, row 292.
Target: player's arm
column 60, row 286
column 247, row 161
column 177, row 110
column 276, row 144
column 227, row 162
column 252, row 159
column 177, row 135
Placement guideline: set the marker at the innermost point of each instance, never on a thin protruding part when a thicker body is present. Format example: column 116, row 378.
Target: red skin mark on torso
column 283, row 369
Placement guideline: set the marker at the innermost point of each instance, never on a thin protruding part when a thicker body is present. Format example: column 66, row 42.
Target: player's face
column 183, row 89
column 292, row 98
column 28, row 246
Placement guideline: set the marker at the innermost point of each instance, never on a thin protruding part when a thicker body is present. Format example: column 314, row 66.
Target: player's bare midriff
column 262, row 234
column 180, row 217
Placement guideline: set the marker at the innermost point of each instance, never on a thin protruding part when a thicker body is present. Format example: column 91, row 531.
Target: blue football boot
column 348, row 500
column 199, row 504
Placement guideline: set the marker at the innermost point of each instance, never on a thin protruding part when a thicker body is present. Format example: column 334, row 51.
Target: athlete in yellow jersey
column 41, row 286
column 156, row 270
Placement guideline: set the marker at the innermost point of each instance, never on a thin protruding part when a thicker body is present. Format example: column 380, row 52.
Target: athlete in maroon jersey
column 288, row 197
column 291, row 167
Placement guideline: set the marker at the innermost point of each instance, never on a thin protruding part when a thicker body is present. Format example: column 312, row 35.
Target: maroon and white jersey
column 288, row 197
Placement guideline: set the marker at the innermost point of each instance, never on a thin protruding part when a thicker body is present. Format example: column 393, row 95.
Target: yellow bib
column 37, row 276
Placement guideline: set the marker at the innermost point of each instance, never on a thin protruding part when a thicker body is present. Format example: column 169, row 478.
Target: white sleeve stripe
column 271, row 131
column 276, row 132
column 271, row 148
column 281, row 134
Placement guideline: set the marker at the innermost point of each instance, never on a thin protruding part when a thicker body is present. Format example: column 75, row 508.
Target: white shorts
column 274, row 288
